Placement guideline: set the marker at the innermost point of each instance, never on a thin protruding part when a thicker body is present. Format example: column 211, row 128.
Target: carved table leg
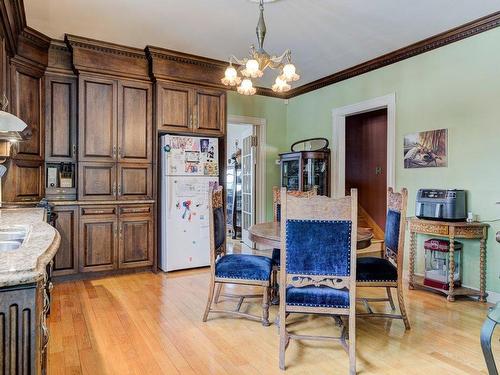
column 411, row 271
column 482, row 268
column 451, row 290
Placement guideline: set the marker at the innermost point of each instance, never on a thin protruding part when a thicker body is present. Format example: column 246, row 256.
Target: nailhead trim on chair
column 313, row 305
column 348, row 243
column 239, row 278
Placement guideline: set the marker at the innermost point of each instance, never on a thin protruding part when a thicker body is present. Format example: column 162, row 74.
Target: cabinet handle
column 119, row 189
column 121, row 230
column 190, row 120
column 120, row 153
column 195, row 117
column 113, row 190
column 114, row 151
column 74, row 151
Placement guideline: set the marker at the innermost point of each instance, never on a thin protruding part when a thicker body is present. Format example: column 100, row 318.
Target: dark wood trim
column 440, row 40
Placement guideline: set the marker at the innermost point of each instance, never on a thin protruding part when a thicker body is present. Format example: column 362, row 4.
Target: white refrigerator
column 189, row 167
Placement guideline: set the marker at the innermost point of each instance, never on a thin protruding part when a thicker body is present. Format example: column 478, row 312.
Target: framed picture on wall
column 426, row 149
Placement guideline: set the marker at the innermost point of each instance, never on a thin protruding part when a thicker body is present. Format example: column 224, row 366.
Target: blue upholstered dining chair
column 276, row 218
column 241, row 269
column 387, row 271
column 318, row 265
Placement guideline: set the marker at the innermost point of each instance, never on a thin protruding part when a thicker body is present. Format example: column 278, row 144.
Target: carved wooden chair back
column 277, row 199
column 395, row 227
column 318, row 240
column 217, row 225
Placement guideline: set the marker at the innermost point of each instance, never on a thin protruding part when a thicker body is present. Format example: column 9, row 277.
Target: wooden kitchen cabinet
column 98, row 239
column 134, row 181
column 97, row 181
column 210, row 112
column 98, row 122
column 135, row 139
column 26, row 103
column 66, row 259
column 60, row 118
column 182, row 108
column 24, row 181
column 135, row 236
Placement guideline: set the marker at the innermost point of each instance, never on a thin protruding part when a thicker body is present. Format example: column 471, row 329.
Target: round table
column 269, row 234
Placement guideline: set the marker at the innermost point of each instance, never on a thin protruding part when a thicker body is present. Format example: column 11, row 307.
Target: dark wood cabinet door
column 26, row 103
column 98, row 243
column 135, row 181
column 135, row 238
column 97, row 181
column 134, row 122
column 65, row 261
column 210, row 112
column 60, row 118
column 97, row 119
column 174, row 107
column 24, row 181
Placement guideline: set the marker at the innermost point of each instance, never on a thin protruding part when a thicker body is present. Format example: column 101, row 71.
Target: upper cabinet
column 98, row 120
column 60, row 118
column 182, row 108
column 135, row 115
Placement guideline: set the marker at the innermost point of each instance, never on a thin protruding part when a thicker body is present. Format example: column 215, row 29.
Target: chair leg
column 402, row 307
column 274, row 288
column 283, row 340
column 265, row 307
column 486, row 334
column 389, row 296
column 209, row 300
column 217, row 292
column 352, row 344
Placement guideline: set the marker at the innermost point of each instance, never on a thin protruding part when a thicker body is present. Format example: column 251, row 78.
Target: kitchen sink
column 12, row 237
column 10, row 245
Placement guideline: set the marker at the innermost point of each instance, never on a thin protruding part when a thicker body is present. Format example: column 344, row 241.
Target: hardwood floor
column 151, row 324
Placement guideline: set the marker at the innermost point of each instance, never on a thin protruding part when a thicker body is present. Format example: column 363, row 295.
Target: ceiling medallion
column 259, row 60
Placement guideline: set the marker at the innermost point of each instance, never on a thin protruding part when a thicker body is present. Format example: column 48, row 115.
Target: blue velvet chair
column 276, row 217
column 318, row 265
column 387, row 271
column 242, row 269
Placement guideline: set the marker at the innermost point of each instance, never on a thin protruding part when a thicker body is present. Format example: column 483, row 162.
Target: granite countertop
column 27, row 263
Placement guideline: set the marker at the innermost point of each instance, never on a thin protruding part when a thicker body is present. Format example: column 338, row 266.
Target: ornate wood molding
column 95, row 56
column 60, row 58
column 461, row 32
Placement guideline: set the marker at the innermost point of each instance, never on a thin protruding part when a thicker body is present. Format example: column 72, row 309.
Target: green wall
column 455, row 87
column 274, row 111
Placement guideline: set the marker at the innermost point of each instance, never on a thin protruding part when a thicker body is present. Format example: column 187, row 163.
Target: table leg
column 411, row 271
column 451, row 290
column 482, row 268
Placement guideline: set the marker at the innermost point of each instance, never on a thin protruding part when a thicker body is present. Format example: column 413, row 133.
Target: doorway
column 365, row 166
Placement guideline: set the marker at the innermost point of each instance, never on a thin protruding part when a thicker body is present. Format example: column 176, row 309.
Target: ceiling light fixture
column 258, row 62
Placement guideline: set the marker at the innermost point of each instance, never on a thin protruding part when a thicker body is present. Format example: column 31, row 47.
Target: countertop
column 27, row 264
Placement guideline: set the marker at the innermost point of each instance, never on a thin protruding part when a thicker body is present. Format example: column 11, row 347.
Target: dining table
column 269, row 234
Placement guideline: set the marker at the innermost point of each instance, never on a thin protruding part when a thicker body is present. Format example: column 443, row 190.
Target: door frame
column 338, row 141
column 260, row 178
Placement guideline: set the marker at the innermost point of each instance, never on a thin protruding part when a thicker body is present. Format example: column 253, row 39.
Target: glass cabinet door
column 315, row 173
column 290, row 174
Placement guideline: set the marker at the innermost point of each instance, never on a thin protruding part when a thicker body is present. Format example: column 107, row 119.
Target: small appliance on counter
column 437, row 264
column 441, row 204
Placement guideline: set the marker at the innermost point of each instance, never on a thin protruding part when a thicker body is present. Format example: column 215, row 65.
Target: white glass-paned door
column 248, row 187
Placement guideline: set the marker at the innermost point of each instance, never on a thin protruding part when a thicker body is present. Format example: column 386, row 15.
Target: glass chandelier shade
column 258, row 61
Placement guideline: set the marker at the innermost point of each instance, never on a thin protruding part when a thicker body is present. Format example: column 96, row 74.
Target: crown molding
column 456, row 34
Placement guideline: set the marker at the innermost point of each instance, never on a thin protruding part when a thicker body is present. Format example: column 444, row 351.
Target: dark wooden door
column 134, row 122
column 97, row 119
column 135, row 236
column 210, row 112
column 24, row 181
column 98, row 242
column 65, row 261
column 366, row 161
column 134, row 181
column 97, row 181
column 60, row 118
column 26, row 103
column 174, row 107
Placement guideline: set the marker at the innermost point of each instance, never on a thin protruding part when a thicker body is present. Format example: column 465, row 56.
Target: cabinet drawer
column 98, row 210
column 136, row 210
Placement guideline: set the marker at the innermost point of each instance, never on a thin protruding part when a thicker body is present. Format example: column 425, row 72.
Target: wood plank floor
column 151, row 324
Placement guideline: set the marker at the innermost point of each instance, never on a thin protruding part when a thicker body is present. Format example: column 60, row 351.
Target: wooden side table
column 451, row 230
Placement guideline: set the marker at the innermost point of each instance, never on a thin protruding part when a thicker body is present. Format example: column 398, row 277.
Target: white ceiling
column 325, row 35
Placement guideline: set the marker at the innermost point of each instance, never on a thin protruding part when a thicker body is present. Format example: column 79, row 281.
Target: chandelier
column 258, row 61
